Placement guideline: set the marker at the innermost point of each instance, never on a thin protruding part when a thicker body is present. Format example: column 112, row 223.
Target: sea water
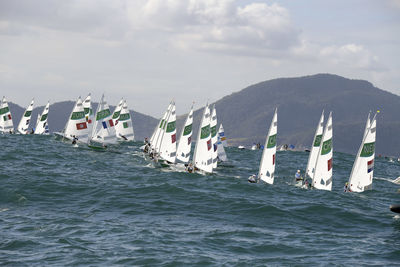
column 65, row 205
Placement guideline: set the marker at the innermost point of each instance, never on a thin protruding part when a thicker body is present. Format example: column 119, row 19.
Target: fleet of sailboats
column 105, row 128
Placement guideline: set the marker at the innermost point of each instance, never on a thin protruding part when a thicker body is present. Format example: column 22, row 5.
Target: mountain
column 60, row 111
column 246, row 115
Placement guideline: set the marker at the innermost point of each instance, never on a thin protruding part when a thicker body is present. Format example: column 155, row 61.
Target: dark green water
column 61, row 205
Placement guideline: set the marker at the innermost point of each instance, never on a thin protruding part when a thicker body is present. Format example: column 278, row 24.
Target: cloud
column 218, row 25
column 351, row 55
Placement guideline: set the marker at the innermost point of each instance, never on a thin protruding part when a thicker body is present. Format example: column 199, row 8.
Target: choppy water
column 61, row 205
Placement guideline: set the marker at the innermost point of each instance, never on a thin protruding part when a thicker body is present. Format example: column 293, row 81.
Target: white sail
column 167, row 148
column 89, row 115
column 315, row 147
column 155, row 137
column 41, row 125
column 185, row 141
column 117, row 111
column 267, row 163
column 363, row 169
column 214, row 137
column 26, row 118
column 123, row 124
column 6, row 123
column 221, row 135
column 202, row 157
column 76, row 125
column 322, row 178
column 103, row 127
column 220, row 147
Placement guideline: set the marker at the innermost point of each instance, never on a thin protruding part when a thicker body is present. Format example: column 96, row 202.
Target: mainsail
column 87, row 106
column 202, row 157
column 363, row 169
column 221, row 135
column 123, row 124
column 312, row 158
column 26, row 118
column 117, row 111
column 220, row 147
column 155, row 137
column 185, row 141
column 76, row 126
column 167, row 147
column 267, row 163
column 41, row 125
column 214, row 137
column 103, row 127
column 6, row 123
column 322, row 178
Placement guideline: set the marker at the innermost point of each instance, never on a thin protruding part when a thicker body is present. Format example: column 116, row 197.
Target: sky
column 152, row 51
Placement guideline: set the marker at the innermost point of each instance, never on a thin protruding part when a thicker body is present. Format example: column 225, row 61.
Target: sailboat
column 220, row 147
column 214, row 137
column 202, row 157
column 123, row 124
column 26, row 117
column 89, row 116
column 322, row 177
column 185, row 141
column 167, row 146
column 363, row 168
column 76, row 128
column 41, row 124
column 103, row 132
column 266, row 172
column 312, row 158
column 6, row 123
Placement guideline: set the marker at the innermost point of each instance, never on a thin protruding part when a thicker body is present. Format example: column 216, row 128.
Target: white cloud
column 219, row 25
column 352, row 55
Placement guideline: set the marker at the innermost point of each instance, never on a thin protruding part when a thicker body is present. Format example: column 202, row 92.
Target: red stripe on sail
column 329, row 164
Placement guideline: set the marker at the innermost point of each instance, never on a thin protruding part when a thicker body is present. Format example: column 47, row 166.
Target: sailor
column 346, row 187
column 252, row 179
column 146, row 141
column 297, row 176
column 190, row 168
column 74, row 139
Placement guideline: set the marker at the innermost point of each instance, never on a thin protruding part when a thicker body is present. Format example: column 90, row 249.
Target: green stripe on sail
column 103, row 114
column 125, row 124
column 187, row 130
column 271, row 141
column 326, row 147
column 368, row 150
column 116, row 115
column 87, row 110
column 44, row 117
column 161, row 123
column 205, row 132
column 4, row 110
column 124, row 117
column 214, row 131
column 77, row 115
column 28, row 113
column 171, row 127
column 318, row 140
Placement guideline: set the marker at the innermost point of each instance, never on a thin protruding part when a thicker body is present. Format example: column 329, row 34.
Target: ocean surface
column 73, row 206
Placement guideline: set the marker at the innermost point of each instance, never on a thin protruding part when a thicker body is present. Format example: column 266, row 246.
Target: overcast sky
column 150, row 51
